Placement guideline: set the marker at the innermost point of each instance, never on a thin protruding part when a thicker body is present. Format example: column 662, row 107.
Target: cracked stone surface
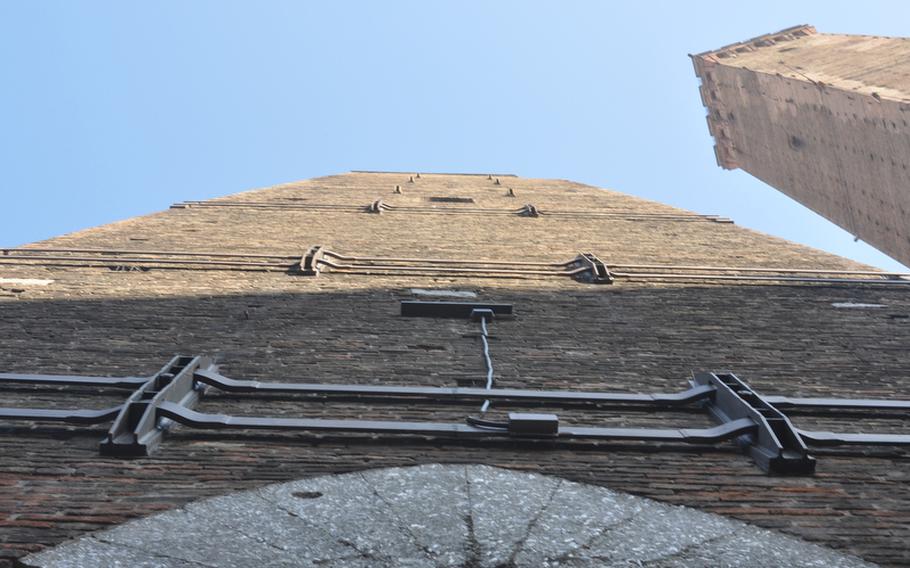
column 435, row 516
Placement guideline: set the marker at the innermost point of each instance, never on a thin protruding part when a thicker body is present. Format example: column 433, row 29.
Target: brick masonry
column 637, row 337
column 824, row 118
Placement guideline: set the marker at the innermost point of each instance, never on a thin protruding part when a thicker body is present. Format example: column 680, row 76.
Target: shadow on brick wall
column 53, row 484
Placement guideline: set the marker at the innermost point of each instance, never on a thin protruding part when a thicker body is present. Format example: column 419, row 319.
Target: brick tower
column 824, row 118
column 111, row 335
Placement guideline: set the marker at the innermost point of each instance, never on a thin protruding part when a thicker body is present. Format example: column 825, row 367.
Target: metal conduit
column 72, row 416
column 812, row 403
column 407, row 208
column 192, row 418
column 484, row 274
column 446, row 210
column 646, row 275
column 683, row 398
column 555, row 213
column 199, row 266
column 478, row 263
column 373, row 265
column 110, row 382
column 629, row 216
column 447, row 394
column 820, row 438
column 624, row 216
column 676, row 399
column 175, row 391
column 268, row 205
column 352, row 207
column 146, row 252
column 620, row 215
column 18, row 259
column 625, row 212
column 417, row 208
column 758, row 269
column 444, row 260
column 390, row 268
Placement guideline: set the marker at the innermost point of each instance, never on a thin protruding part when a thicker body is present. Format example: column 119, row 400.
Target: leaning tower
column 824, row 118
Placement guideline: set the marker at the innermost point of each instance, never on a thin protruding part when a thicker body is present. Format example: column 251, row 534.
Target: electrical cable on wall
column 484, row 337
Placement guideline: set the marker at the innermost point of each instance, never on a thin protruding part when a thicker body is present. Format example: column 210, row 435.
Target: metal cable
column 487, row 361
column 486, row 424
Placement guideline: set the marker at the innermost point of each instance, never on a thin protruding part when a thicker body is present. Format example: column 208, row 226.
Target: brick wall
column 636, row 337
column 825, row 119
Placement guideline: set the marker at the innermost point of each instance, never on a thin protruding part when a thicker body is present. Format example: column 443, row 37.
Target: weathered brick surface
column 824, row 118
column 345, row 328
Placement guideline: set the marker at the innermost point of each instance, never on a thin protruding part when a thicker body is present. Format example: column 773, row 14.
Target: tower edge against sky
column 824, row 118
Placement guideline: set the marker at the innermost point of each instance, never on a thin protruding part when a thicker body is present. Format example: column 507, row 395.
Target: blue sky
column 115, row 109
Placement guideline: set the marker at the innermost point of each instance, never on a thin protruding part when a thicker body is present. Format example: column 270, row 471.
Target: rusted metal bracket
column 378, row 207
column 311, row 262
column 529, row 211
column 596, row 270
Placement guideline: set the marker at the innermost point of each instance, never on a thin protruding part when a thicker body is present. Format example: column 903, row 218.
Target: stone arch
column 436, row 515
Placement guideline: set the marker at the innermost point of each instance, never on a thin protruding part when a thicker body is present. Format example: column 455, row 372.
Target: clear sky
column 114, row 109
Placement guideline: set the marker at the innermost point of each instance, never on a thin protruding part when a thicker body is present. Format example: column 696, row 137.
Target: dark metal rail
column 742, row 414
column 837, row 403
column 187, row 417
column 70, row 416
column 687, row 397
column 73, row 380
column 723, row 432
column 815, row 438
column 692, row 395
